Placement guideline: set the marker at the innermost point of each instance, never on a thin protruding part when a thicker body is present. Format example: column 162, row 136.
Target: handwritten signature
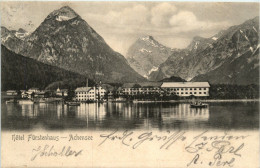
column 127, row 138
column 50, row 151
column 224, row 152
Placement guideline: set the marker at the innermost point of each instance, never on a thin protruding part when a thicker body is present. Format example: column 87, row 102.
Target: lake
column 102, row 116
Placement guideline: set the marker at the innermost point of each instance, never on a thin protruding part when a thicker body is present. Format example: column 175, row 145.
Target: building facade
column 11, row 93
column 90, row 93
column 62, row 92
column 142, row 88
column 184, row 89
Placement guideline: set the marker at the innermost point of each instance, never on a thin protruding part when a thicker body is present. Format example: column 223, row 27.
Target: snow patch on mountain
column 153, row 70
column 144, row 50
column 21, row 35
column 63, row 14
column 149, row 39
column 145, row 38
column 188, row 79
column 196, row 45
column 246, row 38
column 214, row 38
column 4, row 39
column 63, row 18
column 146, row 76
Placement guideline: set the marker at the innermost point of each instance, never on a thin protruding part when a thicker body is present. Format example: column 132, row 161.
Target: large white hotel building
column 199, row 89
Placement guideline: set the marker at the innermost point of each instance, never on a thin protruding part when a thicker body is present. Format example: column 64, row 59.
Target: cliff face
column 146, row 54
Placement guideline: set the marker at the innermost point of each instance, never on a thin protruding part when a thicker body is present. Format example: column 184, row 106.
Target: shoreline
column 189, row 101
column 231, row 100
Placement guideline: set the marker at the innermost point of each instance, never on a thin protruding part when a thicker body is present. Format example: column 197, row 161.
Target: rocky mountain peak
column 147, row 38
column 3, row 28
column 20, row 30
column 4, row 31
column 66, row 41
column 199, row 43
column 150, row 41
column 146, row 54
column 63, row 14
column 198, row 38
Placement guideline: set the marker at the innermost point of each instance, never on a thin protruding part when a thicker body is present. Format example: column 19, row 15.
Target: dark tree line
column 224, row 91
column 21, row 73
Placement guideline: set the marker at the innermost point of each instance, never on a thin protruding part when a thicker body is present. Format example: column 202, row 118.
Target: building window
column 205, row 88
column 186, row 92
column 205, row 92
column 178, row 89
column 190, row 88
column 195, row 92
column 199, row 92
column 181, row 92
column 186, row 88
column 181, row 88
column 200, row 88
column 190, row 92
column 195, row 89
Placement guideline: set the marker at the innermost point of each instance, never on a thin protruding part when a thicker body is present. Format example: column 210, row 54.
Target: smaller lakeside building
column 90, row 93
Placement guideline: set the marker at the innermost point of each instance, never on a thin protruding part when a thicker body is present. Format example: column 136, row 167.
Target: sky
column 173, row 24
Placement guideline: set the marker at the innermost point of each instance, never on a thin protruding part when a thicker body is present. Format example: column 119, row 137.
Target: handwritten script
column 127, row 138
column 206, row 150
column 51, row 151
column 221, row 148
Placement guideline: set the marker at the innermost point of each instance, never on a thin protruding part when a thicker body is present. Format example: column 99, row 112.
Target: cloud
column 135, row 15
column 161, row 13
column 162, row 17
column 185, row 21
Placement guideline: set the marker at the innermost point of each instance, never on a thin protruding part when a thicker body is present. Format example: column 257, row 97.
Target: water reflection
column 130, row 116
column 184, row 112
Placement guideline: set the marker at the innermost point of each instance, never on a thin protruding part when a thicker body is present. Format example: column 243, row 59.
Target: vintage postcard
column 129, row 84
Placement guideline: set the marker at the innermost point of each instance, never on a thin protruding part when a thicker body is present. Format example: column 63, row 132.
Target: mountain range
column 231, row 56
column 65, row 40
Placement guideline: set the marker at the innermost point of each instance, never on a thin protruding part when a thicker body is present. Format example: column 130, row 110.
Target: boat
column 43, row 100
column 120, row 100
column 198, row 105
column 73, row 103
column 135, row 101
column 26, row 102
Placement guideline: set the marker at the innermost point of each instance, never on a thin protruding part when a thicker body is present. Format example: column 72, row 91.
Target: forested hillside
column 19, row 72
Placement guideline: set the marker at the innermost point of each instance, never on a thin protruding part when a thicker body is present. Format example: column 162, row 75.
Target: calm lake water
column 100, row 116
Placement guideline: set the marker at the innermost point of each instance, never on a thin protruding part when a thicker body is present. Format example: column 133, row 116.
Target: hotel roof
column 10, row 91
column 83, row 89
column 185, row 84
column 142, row 84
